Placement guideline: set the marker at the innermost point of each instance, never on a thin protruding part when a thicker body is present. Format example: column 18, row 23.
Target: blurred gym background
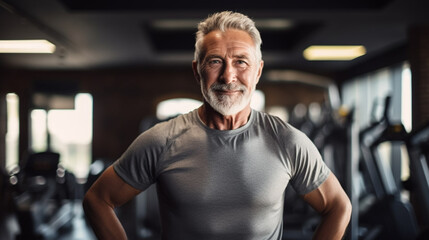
column 105, row 71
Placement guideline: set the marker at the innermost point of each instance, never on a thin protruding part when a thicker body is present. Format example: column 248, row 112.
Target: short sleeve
column 309, row 170
column 138, row 164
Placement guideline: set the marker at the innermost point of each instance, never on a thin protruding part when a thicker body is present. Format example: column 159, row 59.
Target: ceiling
column 102, row 34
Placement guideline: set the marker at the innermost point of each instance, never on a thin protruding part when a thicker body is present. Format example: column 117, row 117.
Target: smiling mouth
column 228, row 92
column 227, row 89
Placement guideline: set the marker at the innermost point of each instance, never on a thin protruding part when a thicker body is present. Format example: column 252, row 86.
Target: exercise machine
column 418, row 149
column 44, row 195
column 384, row 211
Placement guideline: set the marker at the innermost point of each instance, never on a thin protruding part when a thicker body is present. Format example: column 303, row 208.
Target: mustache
column 228, row 87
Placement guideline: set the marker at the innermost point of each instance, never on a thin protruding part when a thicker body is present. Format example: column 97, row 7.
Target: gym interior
column 114, row 69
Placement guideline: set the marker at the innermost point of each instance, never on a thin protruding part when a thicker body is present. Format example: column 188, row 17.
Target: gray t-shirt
column 215, row 184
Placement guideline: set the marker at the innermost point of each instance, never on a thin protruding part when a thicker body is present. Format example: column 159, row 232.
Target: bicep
column 112, row 189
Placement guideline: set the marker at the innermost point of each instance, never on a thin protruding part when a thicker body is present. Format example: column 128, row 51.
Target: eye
column 214, row 62
column 241, row 63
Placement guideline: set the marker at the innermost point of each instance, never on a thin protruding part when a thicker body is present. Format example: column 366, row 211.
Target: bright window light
column 406, row 98
column 71, row 134
column 73, row 126
column 258, row 100
column 26, row 46
column 333, row 53
column 39, row 133
column 176, row 106
column 12, row 133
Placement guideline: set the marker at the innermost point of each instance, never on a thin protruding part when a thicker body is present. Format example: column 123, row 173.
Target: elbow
column 93, row 202
column 90, row 202
column 341, row 209
column 348, row 208
column 344, row 207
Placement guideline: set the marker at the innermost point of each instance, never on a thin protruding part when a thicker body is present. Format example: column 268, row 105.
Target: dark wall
column 419, row 61
column 290, row 94
column 122, row 99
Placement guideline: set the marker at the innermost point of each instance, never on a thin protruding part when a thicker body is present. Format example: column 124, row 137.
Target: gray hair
column 223, row 21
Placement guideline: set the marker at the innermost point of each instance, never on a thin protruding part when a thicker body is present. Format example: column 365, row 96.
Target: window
column 367, row 93
column 66, row 131
column 12, row 131
column 173, row 107
column 39, row 132
column 406, row 97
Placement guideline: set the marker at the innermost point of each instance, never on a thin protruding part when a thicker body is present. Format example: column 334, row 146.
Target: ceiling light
column 333, row 53
column 26, row 46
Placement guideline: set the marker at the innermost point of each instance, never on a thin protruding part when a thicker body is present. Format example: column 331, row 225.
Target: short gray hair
column 223, row 21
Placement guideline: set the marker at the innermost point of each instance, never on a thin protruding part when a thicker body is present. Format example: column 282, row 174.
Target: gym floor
column 79, row 231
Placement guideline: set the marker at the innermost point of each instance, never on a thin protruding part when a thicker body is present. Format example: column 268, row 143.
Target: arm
column 108, row 192
column 332, row 203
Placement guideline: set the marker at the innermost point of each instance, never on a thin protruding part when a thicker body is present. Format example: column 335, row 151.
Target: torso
column 215, row 184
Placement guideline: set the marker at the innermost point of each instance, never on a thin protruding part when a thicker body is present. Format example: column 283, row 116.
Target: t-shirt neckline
column 224, row 132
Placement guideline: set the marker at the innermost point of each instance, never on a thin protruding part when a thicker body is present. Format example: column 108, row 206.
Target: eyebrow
column 239, row 56
column 213, row 56
column 242, row 56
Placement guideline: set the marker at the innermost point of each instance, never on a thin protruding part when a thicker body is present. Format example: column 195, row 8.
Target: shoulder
column 278, row 127
column 166, row 131
column 152, row 143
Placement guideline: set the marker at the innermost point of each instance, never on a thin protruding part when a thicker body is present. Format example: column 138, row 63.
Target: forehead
column 230, row 40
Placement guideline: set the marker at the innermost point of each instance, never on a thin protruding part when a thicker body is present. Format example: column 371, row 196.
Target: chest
column 243, row 173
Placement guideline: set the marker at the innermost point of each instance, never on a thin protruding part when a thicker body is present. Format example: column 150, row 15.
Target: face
column 229, row 70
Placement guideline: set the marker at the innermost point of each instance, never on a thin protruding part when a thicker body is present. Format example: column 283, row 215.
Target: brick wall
column 419, row 61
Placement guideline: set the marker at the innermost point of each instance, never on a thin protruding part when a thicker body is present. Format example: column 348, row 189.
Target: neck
column 215, row 120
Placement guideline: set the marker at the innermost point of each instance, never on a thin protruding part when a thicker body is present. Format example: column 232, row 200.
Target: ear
column 261, row 66
column 195, row 70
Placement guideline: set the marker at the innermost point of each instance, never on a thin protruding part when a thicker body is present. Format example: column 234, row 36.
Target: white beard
column 225, row 104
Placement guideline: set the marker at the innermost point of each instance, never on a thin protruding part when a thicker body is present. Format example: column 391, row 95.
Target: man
column 222, row 169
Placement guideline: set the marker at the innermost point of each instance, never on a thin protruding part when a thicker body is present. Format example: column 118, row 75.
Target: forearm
column 102, row 218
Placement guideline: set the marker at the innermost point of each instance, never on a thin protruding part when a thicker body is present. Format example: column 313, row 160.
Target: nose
column 228, row 74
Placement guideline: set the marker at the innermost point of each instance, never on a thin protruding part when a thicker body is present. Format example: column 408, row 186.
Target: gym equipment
column 418, row 149
column 331, row 137
column 384, row 213
column 44, row 194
